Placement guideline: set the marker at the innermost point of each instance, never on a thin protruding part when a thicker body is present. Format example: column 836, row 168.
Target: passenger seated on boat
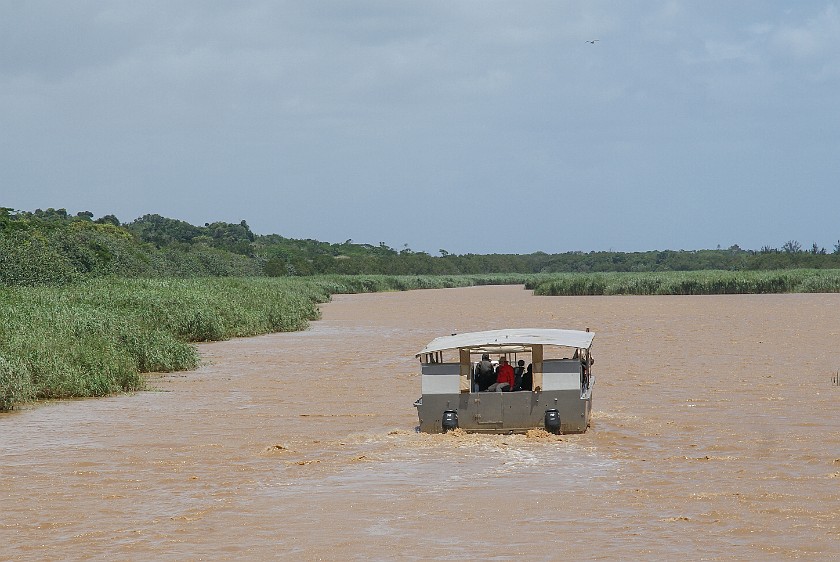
column 484, row 375
column 504, row 377
column 518, row 372
column 528, row 378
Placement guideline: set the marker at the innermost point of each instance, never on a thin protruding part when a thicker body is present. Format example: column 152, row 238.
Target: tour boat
column 558, row 397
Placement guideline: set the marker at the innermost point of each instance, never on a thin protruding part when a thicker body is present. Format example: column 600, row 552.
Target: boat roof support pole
column 537, row 363
column 465, row 370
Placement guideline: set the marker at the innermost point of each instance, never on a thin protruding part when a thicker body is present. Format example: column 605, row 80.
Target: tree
column 792, row 247
column 108, row 219
column 816, row 250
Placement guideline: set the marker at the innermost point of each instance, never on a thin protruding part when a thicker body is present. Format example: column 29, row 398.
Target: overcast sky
column 478, row 126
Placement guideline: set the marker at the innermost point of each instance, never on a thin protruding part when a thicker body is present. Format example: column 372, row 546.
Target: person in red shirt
column 504, row 377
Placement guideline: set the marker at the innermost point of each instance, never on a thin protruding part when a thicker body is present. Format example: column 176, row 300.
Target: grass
column 689, row 283
column 96, row 338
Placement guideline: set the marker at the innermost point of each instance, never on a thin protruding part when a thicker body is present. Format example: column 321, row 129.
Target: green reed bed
column 95, row 338
column 352, row 284
column 689, row 283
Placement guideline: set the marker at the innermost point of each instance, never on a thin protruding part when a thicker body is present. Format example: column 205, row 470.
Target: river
column 715, row 436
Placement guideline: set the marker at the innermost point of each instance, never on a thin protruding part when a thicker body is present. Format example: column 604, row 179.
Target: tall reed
column 95, row 338
column 689, row 282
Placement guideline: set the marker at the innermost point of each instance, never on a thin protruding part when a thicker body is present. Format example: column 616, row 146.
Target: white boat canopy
column 496, row 341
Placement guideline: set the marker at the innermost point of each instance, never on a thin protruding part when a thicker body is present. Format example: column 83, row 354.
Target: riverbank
column 712, row 282
column 96, row 338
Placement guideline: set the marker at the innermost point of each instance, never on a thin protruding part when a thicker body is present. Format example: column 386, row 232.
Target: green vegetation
column 92, row 339
column 689, row 283
column 53, row 247
column 95, row 338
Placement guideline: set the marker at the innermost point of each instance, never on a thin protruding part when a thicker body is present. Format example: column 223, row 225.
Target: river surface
column 715, row 436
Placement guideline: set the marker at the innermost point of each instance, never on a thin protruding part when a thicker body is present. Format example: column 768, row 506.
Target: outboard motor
column 552, row 421
column 449, row 420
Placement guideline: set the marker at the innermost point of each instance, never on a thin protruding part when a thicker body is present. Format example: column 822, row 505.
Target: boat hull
column 505, row 412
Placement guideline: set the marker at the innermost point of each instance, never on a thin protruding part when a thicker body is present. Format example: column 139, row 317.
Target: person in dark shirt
column 518, row 372
column 484, row 375
column 528, row 378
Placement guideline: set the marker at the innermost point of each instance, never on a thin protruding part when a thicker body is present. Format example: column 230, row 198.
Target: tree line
column 53, row 246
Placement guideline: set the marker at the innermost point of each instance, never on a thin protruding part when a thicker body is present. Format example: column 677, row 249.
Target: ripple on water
column 430, row 464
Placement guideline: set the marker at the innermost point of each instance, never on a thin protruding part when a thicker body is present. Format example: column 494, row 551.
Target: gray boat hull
column 505, row 412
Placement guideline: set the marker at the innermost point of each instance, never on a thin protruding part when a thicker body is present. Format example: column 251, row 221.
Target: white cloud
column 816, row 37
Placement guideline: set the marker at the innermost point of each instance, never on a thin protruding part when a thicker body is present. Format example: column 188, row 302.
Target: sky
column 468, row 126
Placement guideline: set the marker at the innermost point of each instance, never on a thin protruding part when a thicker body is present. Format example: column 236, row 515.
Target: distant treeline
column 55, row 247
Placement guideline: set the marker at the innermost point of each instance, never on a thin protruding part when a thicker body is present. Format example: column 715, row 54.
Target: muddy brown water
column 716, row 435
